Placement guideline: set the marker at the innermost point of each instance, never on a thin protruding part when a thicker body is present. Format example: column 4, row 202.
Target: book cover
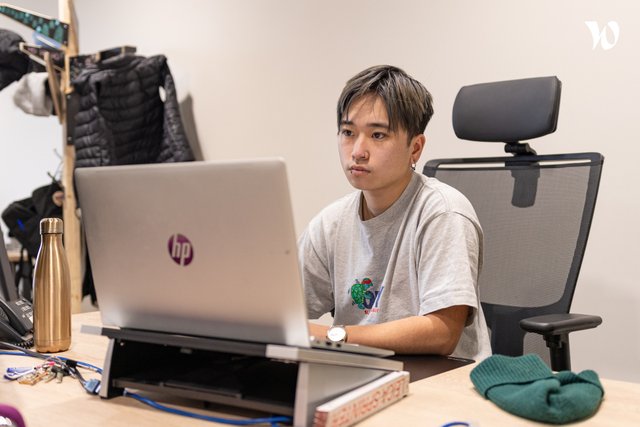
column 354, row 406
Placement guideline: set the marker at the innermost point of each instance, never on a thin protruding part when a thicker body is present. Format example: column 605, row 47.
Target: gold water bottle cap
column 51, row 226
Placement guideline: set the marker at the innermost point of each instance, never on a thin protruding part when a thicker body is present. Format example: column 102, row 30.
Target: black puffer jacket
column 121, row 118
column 13, row 63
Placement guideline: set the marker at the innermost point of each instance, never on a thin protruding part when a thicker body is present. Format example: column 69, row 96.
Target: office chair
column 535, row 210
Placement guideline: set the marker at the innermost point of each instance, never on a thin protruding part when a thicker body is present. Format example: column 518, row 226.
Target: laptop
column 198, row 248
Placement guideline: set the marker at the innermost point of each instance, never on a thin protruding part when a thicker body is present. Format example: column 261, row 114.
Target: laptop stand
column 270, row 378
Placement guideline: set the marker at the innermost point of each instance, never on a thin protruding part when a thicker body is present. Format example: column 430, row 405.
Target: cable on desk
column 19, row 351
column 83, row 365
column 13, row 353
column 93, row 386
column 26, row 351
column 69, row 366
column 274, row 421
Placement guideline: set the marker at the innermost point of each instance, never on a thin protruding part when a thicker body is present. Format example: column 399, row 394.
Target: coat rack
column 57, row 59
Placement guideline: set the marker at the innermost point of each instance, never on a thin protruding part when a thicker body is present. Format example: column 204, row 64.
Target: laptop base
column 275, row 379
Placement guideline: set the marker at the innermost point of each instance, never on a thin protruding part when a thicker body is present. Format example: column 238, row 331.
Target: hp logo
column 180, row 249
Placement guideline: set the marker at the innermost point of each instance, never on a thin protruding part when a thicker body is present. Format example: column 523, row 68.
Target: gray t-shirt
column 423, row 254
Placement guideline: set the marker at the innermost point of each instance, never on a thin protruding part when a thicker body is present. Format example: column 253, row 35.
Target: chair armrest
column 559, row 324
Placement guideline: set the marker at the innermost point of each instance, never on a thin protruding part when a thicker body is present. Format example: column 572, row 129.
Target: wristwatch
column 337, row 334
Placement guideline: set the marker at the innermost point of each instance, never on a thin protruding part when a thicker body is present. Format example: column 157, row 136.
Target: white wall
column 28, row 144
column 264, row 77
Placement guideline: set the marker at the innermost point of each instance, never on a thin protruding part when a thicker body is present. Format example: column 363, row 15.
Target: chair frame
column 555, row 323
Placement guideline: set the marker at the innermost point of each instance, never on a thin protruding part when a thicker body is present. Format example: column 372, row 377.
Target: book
column 357, row 404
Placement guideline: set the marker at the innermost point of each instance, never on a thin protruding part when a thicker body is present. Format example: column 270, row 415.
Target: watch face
column 336, row 334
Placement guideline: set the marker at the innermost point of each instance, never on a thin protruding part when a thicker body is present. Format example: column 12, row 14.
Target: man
column 398, row 260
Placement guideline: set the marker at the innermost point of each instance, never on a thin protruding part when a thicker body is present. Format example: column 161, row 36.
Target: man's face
column 374, row 158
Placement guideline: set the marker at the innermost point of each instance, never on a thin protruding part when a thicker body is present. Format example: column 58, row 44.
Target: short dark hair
column 408, row 103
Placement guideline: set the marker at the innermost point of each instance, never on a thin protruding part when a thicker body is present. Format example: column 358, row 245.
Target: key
column 31, row 379
column 50, row 376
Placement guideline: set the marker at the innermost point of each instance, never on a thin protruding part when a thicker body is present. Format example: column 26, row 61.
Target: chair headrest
column 507, row 111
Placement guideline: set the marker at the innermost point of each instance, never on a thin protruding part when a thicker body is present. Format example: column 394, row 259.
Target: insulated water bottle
column 51, row 291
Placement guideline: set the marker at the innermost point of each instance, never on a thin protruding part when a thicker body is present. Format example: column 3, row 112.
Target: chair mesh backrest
column 532, row 254
column 528, row 252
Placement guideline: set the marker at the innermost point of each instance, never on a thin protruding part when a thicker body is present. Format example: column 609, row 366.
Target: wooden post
column 72, row 231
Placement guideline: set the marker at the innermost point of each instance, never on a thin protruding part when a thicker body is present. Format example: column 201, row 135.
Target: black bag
column 23, row 216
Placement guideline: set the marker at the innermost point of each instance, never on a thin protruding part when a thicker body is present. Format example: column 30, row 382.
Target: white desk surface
column 433, row 401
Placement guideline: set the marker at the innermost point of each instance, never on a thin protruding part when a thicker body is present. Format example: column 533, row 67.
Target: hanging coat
column 13, row 63
column 121, row 117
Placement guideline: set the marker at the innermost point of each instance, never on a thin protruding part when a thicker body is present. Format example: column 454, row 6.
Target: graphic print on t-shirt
column 364, row 297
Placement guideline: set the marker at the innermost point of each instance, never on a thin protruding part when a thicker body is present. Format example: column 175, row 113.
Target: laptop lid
column 197, row 248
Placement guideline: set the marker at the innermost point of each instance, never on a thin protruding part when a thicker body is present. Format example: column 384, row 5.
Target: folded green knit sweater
column 525, row 386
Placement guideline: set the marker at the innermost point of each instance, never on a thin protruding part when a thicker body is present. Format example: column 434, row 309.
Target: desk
column 432, row 401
